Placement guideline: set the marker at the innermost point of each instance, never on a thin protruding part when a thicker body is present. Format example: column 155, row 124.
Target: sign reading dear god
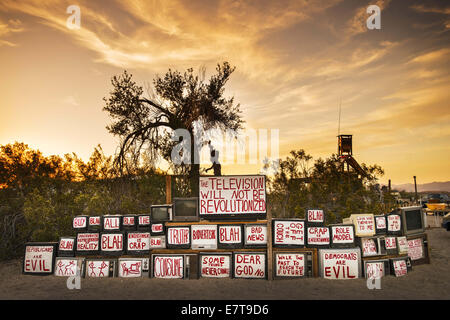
column 231, row 195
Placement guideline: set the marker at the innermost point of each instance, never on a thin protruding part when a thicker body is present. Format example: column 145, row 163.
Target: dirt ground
column 424, row 282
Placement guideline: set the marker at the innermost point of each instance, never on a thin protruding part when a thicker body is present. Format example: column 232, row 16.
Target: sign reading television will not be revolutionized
column 232, row 197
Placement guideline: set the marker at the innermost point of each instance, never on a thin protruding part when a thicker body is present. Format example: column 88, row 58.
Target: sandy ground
column 424, row 282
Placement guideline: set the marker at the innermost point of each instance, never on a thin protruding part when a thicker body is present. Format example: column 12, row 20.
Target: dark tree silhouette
column 179, row 102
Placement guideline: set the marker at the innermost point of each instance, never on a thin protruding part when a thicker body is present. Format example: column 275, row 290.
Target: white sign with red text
column 111, row 223
column 138, row 241
column 88, row 241
column 364, row 225
column 157, row 242
column 342, row 234
column 249, row 265
column 230, row 195
column 38, row 259
column 178, row 236
column 204, row 236
column 215, row 266
column 374, row 270
column 402, row 245
column 290, row 265
column 393, row 223
column 369, row 247
column 111, row 242
column 79, row 222
column 95, row 221
column 230, row 234
column 66, row 244
column 315, row 216
column 380, row 222
column 157, row 228
column 415, row 249
column 255, row 234
column 168, row 267
column 340, row 263
column 289, row 232
column 144, row 221
column 400, row 268
column 390, row 243
column 128, row 221
column 318, row 236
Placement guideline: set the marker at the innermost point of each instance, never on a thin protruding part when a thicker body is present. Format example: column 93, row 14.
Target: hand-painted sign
column 178, row 237
column 88, row 242
column 111, row 223
column 215, row 265
column 138, row 242
column 229, row 196
column 111, row 243
column 39, row 258
column 390, row 243
column 204, row 236
column 289, row 233
column 400, row 268
column 100, row 268
column 130, row 268
column 255, row 235
column 364, row 224
column 95, row 223
column 402, row 245
column 374, row 270
column 66, row 267
column 318, row 236
column 66, row 246
column 415, row 249
column 340, row 263
column 343, row 235
column 290, row 265
column 315, row 216
column 249, row 265
column 157, row 242
column 369, row 247
column 393, row 223
column 80, row 223
column 144, row 221
column 230, row 236
column 168, row 267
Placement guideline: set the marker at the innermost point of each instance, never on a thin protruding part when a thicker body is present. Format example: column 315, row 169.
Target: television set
column 80, row 223
column 376, row 269
column 100, row 268
column 340, row 264
column 400, row 266
column 230, row 236
column 288, row 233
column 95, row 223
column 133, row 267
column 318, row 237
column 129, row 222
column 290, row 265
column 315, row 217
column 66, row 246
column 68, row 267
column 364, row 224
column 39, row 258
column 157, row 228
column 143, row 221
column 161, row 213
column 371, row 246
column 185, row 209
column 178, row 237
column 191, row 266
column 342, row 235
column 255, row 235
column 402, row 245
column 394, row 224
column 418, row 249
column 112, row 223
column 232, row 197
column 204, row 236
column 157, row 242
column 390, row 245
column 168, row 266
column 412, row 220
column 215, row 265
column 88, row 243
column 250, row 265
column 380, row 224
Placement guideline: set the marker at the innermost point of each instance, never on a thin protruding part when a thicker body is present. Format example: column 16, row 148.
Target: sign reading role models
column 233, row 195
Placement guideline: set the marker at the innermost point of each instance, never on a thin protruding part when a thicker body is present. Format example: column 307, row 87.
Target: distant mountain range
column 426, row 187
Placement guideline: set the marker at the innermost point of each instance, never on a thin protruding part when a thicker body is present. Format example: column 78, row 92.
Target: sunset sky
column 295, row 60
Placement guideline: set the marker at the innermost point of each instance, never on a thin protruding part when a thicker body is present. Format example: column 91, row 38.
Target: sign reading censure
column 340, row 263
column 250, row 265
column 229, row 196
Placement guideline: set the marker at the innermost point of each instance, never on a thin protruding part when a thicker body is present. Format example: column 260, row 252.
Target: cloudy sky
column 295, row 61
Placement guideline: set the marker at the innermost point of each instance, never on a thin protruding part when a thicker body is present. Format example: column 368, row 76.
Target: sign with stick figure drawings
column 132, row 268
column 100, row 268
column 66, row 267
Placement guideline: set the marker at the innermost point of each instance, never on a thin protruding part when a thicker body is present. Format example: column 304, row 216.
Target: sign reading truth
column 228, row 196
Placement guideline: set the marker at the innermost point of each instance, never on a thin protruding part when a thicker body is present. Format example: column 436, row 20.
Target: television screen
column 204, row 236
column 376, row 269
column 342, row 236
column 288, row 233
column 80, row 223
column 111, row 243
column 100, row 268
column 255, row 235
column 39, row 258
column 390, row 244
column 67, row 267
column 112, row 223
column 230, row 236
column 418, row 249
column 95, row 223
column 249, row 265
column 191, row 266
column 340, row 263
column 161, row 213
column 290, row 265
column 88, row 242
column 315, row 217
column 66, row 247
column 144, row 222
column 318, row 237
column 168, row 266
column 157, row 228
column 412, row 220
column 129, row 222
column 380, row 224
column 232, row 197
column 157, row 242
column 370, row 247
column 138, row 242
column 185, row 209
column 178, row 237
column 133, row 267
column 400, row 266
column 215, row 265
column 364, row 224
column 393, row 224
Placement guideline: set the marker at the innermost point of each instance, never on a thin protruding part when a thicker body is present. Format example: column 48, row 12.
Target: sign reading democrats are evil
column 223, row 196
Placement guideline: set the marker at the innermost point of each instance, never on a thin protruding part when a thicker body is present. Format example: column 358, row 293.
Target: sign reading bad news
column 232, row 196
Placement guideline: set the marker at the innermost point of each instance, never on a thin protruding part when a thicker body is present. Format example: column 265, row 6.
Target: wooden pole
column 269, row 246
column 415, row 188
column 168, row 189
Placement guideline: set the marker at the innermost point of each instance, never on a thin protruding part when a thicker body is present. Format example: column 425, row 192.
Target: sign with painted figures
column 132, row 268
column 66, row 267
column 98, row 268
column 231, row 196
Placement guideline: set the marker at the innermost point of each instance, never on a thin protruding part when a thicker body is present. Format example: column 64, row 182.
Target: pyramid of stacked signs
column 225, row 233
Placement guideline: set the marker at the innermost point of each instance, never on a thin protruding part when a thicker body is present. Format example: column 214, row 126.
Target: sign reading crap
column 318, row 236
column 204, row 236
column 250, row 265
column 289, row 233
column 340, row 263
column 138, row 242
column 364, row 225
column 215, row 265
column 178, row 237
column 229, row 196
column 255, row 235
column 39, row 258
column 290, row 265
column 342, row 236
column 88, row 242
column 168, row 267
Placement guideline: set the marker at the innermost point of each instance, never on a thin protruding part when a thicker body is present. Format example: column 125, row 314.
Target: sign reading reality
column 88, row 242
